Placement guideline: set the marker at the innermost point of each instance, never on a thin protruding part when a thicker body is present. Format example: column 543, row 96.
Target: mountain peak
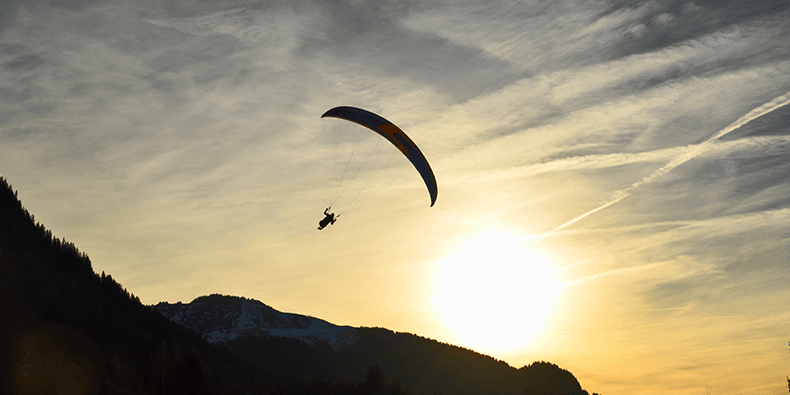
column 222, row 318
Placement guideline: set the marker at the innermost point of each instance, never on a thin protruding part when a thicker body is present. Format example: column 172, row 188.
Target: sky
column 640, row 149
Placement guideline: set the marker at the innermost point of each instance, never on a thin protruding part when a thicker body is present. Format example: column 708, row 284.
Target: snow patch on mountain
column 220, row 319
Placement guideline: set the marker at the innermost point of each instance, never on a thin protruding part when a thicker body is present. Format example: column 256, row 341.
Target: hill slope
column 66, row 328
column 297, row 346
column 222, row 318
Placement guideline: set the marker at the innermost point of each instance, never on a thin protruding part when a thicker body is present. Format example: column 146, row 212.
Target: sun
column 495, row 293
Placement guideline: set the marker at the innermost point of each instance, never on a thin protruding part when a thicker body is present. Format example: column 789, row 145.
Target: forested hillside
column 64, row 326
column 421, row 364
column 67, row 329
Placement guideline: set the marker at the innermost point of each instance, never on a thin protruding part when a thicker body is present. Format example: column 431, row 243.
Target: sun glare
column 495, row 293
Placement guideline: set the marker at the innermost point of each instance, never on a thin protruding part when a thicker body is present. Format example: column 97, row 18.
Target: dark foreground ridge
column 67, row 329
column 298, row 347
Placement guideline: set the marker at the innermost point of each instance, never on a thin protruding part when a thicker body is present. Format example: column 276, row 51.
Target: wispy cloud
column 695, row 151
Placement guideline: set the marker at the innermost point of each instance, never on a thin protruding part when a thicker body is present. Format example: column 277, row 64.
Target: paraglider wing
column 394, row 135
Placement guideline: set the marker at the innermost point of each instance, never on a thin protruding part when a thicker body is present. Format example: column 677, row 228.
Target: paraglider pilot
column 329, row 219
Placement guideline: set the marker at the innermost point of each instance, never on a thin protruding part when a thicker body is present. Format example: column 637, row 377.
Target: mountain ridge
column 276, row 342
column 68, row 328
column 220, row 319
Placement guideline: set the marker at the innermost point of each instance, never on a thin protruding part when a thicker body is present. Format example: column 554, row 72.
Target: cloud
column 533, row 35
column 373, row 39
column 692, row 262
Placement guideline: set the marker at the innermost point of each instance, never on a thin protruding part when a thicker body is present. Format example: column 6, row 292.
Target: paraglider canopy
column 394, row 135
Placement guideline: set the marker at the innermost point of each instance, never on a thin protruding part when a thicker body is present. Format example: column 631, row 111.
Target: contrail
column 698, row 149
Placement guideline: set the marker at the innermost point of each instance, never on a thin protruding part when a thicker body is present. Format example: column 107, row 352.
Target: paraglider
column 394, row 135
column 329, row 219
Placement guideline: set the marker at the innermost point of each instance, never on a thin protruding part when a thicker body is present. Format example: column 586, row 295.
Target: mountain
column 299, row 347
column 67, row 329
column 221, row 319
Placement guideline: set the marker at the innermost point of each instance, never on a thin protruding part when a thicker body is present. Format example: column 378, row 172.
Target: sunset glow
column 495, row 293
